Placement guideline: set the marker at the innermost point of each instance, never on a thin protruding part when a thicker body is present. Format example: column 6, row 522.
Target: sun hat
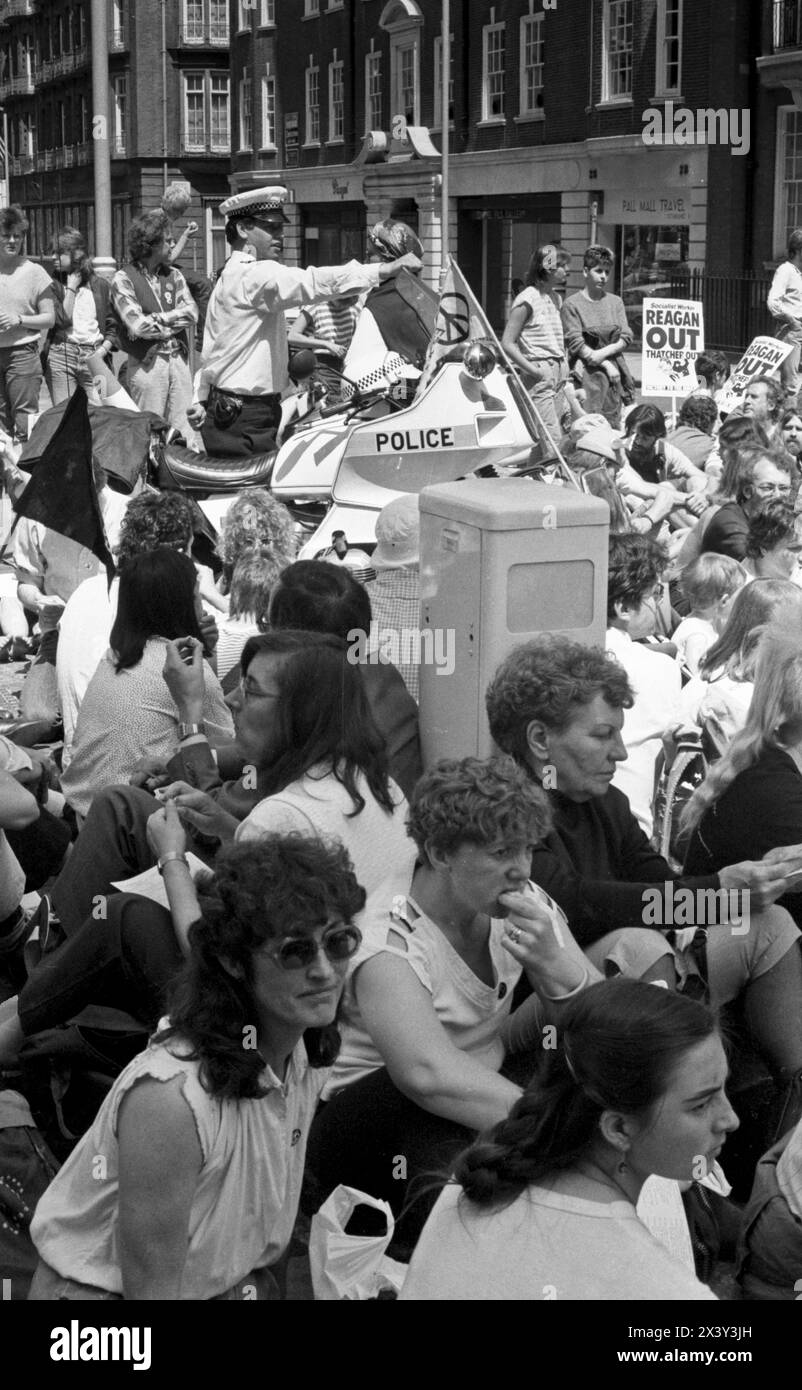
column 398, row 534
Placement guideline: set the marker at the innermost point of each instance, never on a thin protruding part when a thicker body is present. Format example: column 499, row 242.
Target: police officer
column 244, row 371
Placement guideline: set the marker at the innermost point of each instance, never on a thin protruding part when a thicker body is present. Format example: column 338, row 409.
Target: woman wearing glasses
column 202, row 1138
column 311, row 749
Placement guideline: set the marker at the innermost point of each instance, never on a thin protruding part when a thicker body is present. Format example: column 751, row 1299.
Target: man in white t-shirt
column 785, row 306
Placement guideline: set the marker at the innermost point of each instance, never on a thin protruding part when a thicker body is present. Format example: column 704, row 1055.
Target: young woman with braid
column 543, row 1206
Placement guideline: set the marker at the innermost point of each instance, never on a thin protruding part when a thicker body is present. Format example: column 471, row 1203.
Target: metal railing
column 787, row 24
column 734, row 306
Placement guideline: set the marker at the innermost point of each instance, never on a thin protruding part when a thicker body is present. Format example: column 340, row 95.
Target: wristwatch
column 167, row 858
column 190, row 730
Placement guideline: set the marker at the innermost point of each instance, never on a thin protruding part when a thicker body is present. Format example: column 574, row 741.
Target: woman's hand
column 539, row 938
column 166, row 834
column 198, row 809
column 183, row 675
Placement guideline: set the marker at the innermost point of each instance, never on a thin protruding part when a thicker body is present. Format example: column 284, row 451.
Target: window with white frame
column 373, row 91
column 194, row 111
column 532, row 63
column 312, row 89
column 220, row 111
column 403, row 21
column 118, row 24
column 80, row 14
column 788, row 187
column 336, row 101
column 83, row 118
column 245, row 9
column 438, row 83
column 245, row 113
column 404, row 79
column 192, row 26
column 494, row 63
column 311, row 7
column 617, row 50
column 268, row 13
column 218, row 21
column 669, row 46
column 268, row 113
column 119, row 92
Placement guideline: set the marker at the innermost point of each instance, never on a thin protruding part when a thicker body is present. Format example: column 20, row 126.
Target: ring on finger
column 514, row 934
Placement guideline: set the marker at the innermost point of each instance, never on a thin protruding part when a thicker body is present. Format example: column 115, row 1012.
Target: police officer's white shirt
column 245, row 339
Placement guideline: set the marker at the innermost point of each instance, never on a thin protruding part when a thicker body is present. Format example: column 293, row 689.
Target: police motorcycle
column 471, row 417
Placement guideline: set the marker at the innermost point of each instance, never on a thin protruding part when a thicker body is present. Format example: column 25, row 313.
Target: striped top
column 542, row 337
column 334, row 323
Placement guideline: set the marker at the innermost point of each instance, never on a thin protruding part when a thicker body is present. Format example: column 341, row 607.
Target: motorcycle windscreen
column 397, row 321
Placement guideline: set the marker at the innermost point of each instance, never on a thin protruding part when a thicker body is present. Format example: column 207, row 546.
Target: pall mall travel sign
column 673, row 336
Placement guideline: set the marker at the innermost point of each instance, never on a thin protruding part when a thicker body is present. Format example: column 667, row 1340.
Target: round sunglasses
column 299, row 952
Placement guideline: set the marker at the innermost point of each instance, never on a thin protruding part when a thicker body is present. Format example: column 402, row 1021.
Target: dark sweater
column 760, row 810
column 728, row 532
column 596, row 862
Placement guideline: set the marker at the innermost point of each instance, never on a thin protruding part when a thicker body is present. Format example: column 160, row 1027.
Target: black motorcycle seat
column 210, row 473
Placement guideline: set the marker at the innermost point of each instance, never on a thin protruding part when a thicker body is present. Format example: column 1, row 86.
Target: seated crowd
column 487, row 966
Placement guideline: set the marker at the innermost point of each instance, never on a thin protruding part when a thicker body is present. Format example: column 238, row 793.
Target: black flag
column 61, row 493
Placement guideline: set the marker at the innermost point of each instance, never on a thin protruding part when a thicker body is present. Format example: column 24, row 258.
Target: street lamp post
column 446, row 136
column 6, row 166
column 103, row 257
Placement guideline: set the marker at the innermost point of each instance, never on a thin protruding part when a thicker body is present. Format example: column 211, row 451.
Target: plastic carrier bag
column 347, row 1267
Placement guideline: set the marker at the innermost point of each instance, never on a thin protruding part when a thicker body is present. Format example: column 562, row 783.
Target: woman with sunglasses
column 187, row 1185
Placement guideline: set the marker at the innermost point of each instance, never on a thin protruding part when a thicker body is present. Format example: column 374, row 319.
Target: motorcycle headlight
column 478, row 360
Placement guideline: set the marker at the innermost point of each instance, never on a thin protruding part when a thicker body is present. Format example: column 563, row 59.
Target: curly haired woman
column 203, row 1135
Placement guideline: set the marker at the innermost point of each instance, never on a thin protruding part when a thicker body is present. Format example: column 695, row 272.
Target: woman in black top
column 751, row 800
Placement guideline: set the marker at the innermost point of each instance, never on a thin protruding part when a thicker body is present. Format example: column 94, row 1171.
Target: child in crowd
column 709, row 584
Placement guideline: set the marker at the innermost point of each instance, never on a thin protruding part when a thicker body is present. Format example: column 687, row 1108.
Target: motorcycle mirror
column 302, row 364
column 479, row 359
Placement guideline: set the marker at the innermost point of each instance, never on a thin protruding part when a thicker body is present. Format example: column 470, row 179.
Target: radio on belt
column 502, row 560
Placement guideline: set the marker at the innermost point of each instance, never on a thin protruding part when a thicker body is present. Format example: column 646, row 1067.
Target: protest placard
column 762, row 358
column 673, row 335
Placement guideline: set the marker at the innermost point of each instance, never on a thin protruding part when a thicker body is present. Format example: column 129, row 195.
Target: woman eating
column 426, row 1018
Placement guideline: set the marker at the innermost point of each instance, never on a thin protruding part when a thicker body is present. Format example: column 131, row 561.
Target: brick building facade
column 169, row 113
column 549, row 102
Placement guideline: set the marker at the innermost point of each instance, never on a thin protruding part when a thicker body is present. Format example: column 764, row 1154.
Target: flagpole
column 446, row 140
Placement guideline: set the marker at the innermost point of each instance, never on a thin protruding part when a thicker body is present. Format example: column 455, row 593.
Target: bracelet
column 186, row 731
column 172, row 854
column 558, row 998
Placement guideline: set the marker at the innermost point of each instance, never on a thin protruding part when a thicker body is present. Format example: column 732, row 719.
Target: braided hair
column 620, row 1042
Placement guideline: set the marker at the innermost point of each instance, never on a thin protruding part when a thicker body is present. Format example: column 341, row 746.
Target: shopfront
column 332, row 233
column 650, row 235
column 495, row 240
